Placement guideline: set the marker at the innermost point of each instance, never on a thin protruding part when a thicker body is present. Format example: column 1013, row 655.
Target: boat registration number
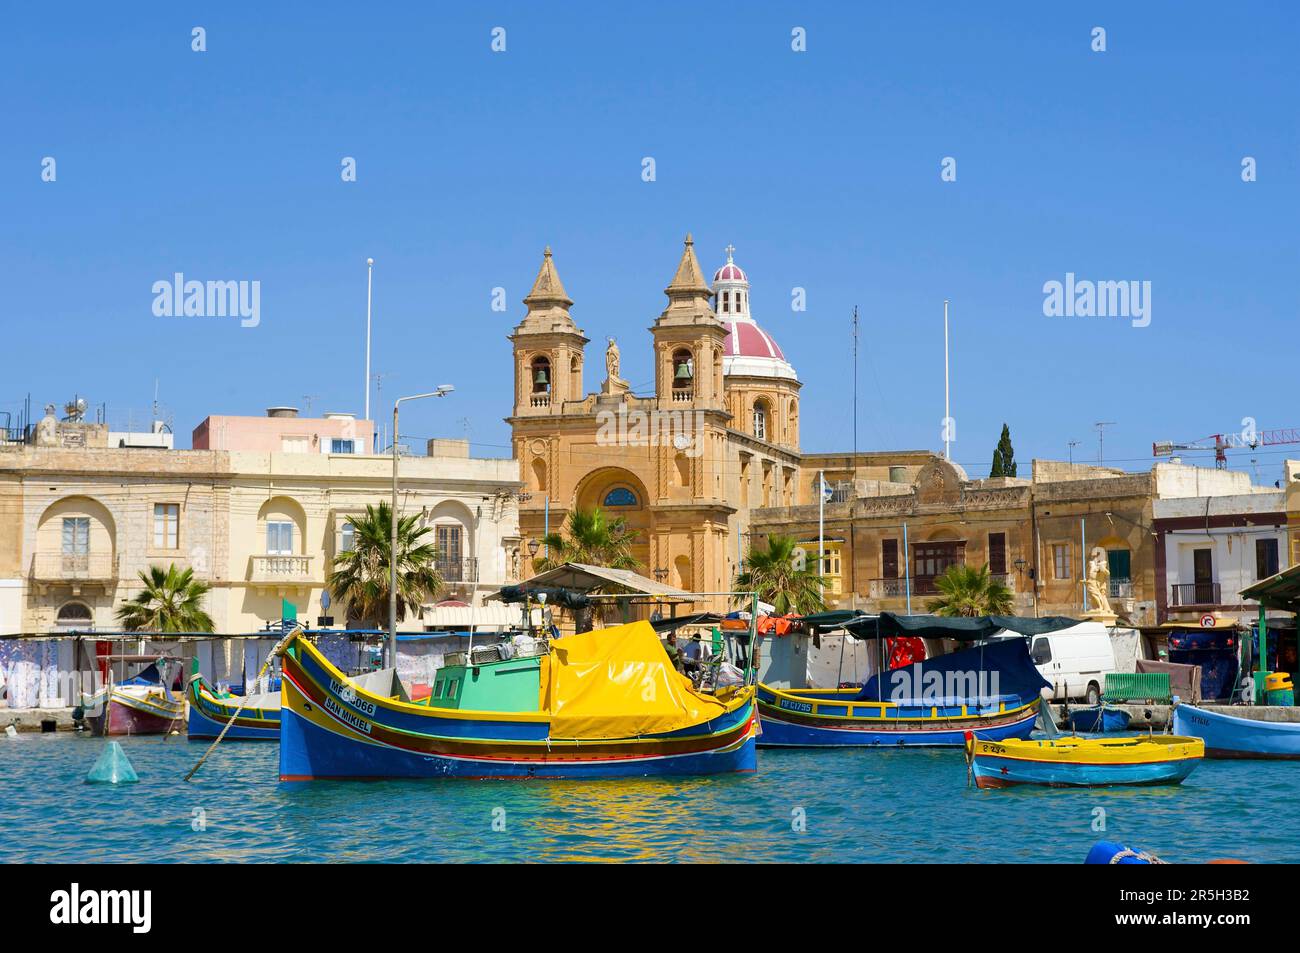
column 349, row 695
column 789, row 705
column 347, row 716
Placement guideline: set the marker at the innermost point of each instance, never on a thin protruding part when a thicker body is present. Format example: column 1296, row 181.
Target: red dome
column 729, row 272
column 747, row 339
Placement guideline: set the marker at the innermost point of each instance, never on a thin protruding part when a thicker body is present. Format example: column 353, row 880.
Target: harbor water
column 801, row 806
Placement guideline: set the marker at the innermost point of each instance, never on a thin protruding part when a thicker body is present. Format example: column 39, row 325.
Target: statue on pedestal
column 1097, row 585
column 613, row 384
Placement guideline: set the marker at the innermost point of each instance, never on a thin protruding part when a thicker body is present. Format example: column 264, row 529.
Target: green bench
column 1152, row 687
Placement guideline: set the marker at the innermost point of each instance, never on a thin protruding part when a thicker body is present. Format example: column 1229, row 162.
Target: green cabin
column 503, row 685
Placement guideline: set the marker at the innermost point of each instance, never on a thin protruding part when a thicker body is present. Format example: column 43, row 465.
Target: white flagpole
column 370, row 274
column 947, row 413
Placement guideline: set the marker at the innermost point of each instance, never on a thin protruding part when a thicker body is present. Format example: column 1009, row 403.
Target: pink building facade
column 283, row 431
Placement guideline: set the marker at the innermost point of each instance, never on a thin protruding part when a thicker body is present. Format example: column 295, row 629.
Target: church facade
column 684, row 465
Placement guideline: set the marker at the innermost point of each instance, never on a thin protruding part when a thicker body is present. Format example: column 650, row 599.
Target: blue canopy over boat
column 997, row 671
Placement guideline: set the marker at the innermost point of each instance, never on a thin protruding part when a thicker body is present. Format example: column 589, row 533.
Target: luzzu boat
column 142, row 705
column 601, row 704
column 209, row 713
column 1228, row 736
column 1083, row 762
column 992, row 690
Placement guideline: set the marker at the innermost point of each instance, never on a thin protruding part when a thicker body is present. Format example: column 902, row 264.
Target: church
column 684, row 465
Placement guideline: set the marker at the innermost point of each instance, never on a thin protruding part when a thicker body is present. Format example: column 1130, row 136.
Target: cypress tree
column 1004, row 456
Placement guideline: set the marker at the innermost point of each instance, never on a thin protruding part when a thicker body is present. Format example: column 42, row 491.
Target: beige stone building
column 79, row 522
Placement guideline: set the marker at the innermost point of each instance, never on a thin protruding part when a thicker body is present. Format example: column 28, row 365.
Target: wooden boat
column 208, row 714
column 1083, row 762
column 142, row 705
column 1101, row 719
column 1227, row 736
column 874, row 715
column 600, row 704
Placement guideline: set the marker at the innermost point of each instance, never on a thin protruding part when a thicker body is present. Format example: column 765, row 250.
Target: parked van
column 1075, row 661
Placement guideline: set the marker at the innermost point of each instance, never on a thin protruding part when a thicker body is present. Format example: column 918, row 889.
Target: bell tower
column 688, row 342
column 548, row 348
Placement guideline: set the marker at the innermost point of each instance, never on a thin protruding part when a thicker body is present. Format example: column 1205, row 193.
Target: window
column 541, row 375
column 347, row 537
column 1265, row 558
column 1041, row 653
column 889, row 558
column 447, row 539
column 726, row 301
column 760, row 420
column 620, row 496
column 1061, row 561
column 166, row 520
column 1120, row 564
column 279, row 538
column 998, row 554
column 338, row 445
column 295, row 443
column 683, row 369
column 933, row 559
column 76, row 535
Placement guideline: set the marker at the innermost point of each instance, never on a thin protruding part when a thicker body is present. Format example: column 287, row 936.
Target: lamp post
column 442, row 391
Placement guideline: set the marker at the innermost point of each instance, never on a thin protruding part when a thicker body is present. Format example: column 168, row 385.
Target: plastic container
column 1280, row 696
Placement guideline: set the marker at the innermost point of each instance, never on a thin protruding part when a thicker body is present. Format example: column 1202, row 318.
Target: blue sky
column 822, row 167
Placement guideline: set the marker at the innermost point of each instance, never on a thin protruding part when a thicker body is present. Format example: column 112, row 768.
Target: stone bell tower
column 548, row 348
column 689, row 342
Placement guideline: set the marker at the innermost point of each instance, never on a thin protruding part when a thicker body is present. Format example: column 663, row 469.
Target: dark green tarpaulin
column 832, row 619
column 961, row 628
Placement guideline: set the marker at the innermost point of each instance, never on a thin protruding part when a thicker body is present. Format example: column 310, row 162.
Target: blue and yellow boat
column 1083, row 762
column 209, row 713
column 992, row 690
column 601, row 704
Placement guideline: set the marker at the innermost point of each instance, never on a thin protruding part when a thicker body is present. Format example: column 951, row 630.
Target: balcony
column 896, row 588
column 74, row 570
column 1121, row 588
column 1188, row 594
column 683, row 395
column 282, row 572
column 540, row 400
column 455, row 571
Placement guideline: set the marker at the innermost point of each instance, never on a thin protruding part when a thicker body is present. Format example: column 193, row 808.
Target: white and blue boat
column 1227, row 736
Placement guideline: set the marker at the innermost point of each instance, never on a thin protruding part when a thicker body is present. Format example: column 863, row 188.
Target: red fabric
column 904, row 650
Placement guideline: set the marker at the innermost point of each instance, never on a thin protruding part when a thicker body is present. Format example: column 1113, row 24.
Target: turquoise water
column 898, row 806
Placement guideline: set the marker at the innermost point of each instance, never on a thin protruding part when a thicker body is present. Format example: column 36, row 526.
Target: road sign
column 1207, row 621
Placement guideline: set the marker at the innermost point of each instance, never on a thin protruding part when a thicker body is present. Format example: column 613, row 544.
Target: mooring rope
column 275, row 652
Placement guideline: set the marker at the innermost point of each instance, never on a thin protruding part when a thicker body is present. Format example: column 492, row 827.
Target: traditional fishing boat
column 1228, row 736
column 1083, row 762
column 1100, row 719
column 209, row 713
column 141, row 705
column 601, row 704
column 991, row 689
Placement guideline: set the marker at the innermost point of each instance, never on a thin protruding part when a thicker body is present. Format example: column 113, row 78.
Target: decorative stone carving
column 613, row 384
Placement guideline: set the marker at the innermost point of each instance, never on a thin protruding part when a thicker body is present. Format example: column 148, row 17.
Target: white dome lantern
column 748, row 351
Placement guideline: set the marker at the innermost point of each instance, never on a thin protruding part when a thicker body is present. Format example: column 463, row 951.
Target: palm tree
column 780, row 578
column 591, row 538
column 967, row 591
column 360, row 577
column 170, row 602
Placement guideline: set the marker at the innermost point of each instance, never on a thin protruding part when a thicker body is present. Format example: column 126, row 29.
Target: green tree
column 360, row 577
column 781, row 578
column 171, row 601
column 1004, row 457
column 591, row 538
column 967, row 591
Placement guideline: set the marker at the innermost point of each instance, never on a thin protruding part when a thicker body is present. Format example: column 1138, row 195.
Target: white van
column 1075, row 661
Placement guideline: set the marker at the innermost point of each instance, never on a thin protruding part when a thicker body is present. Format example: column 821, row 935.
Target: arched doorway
column 619, row 494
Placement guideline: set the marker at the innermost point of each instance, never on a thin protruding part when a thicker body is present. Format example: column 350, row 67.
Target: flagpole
column 947, row 413
column 370, row 274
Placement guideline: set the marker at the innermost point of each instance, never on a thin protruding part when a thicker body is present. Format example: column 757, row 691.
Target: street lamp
column 442, row 391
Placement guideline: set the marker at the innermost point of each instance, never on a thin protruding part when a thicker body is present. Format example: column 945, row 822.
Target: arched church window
column 73, row 612
column 620, row 496
column 541, row 374
column 683, row 369
column 760, row 419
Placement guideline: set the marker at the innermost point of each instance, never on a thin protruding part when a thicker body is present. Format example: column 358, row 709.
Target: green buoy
column 112, row 767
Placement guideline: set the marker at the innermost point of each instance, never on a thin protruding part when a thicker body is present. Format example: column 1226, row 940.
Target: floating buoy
column 113, row 767
column 11, row 731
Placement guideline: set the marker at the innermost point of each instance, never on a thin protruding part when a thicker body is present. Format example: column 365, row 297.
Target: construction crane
column 1220, row 443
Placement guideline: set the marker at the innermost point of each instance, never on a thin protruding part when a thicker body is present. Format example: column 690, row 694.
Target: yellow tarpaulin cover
column 618, row 683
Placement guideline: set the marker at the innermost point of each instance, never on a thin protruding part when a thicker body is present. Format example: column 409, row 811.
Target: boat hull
column 1083, row 763
column 1227, row 736
column 1102, row 720
column 330, row 732
column 209, row 715
column 828, row 726
column 125, row 713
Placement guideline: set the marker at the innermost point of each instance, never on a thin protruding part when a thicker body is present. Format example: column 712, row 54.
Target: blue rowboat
column 1227, row 736
column 603, row 704
column 259, row 721
column 992, row 690
column 1101, row 719
column 1083, row 762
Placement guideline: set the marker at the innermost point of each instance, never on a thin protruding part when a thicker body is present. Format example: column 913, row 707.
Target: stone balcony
column 282, row 573
column 74, row 571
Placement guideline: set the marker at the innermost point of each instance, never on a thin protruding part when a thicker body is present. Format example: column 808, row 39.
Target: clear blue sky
column 822, row 168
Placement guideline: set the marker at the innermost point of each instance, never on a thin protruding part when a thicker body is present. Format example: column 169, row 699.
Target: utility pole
column 1073, row 444
column 1101, row 426
column 855, row 392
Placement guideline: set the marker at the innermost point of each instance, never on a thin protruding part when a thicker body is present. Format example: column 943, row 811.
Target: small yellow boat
column 1083, row 762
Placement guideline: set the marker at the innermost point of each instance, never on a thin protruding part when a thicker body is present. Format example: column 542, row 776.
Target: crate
column 1150, row 687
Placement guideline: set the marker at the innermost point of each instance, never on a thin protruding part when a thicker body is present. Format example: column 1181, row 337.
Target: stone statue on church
column 1098, row 587
column 613, row 383
column 47, row 431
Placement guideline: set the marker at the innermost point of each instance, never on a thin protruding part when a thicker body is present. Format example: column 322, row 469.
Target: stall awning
column 585, row 578
column 960, row 628
column 1280, row 591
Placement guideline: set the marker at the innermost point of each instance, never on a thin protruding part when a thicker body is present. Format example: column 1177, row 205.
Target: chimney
column 282, row 411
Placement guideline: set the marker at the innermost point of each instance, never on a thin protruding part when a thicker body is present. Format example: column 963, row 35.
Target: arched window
column 541, row 375
column 620, row 496
column 760, row 419
column 683, row 369
column 74, row 613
